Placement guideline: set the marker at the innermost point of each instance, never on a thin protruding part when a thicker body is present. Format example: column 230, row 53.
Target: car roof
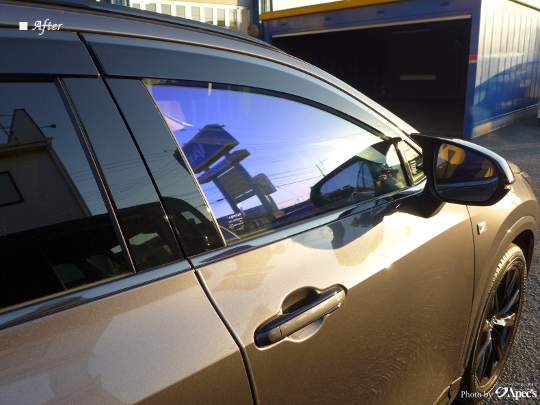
column 120, row 11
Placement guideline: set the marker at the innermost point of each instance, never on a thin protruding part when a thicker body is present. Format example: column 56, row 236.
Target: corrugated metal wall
column 503, row 70
column 381, row 63
column 507, row 76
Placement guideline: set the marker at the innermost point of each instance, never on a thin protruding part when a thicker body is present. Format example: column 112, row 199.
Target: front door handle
column 285, row 325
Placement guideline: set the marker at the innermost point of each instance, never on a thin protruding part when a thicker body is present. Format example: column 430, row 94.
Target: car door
column 342, row 290
column 97, row 301
column 338, row 288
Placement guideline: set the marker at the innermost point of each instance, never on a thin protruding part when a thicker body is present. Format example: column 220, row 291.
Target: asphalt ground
column 520, row 144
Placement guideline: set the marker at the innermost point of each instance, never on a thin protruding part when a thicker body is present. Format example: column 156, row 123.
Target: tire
column 497, row 329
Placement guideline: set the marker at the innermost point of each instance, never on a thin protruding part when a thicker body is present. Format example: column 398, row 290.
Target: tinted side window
column 257, row 155
column 181, row 197
column 145, row 226
column 55, row 232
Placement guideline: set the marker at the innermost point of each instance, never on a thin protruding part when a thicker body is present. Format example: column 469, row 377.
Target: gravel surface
column 520, row 144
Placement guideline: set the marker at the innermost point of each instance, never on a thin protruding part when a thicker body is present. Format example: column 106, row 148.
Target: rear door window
column 266, row 160
column 55, row 230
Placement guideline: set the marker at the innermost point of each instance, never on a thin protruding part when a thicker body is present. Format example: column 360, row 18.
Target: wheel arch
column 525, row 240
column 523, row 234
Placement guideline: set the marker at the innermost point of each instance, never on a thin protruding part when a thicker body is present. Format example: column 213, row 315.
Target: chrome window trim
column 50, row 305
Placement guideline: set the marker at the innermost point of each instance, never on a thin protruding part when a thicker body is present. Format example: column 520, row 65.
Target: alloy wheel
column 498, row 329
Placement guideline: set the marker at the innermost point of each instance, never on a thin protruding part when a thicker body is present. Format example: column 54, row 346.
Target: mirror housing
column 461, row 172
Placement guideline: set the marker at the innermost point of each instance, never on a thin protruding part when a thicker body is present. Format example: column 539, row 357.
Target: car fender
column 526, row 223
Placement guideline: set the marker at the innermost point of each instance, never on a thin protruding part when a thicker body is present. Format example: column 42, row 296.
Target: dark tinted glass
column 55, row 230
column 144, row 223
column 182, row 198
column 257, row 155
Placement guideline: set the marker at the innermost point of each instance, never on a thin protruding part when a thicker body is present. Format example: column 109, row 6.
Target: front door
column 337, row 287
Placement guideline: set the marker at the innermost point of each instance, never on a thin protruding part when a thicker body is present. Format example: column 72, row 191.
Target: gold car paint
column 515, row 214
column 399, row 335
column 158, row 343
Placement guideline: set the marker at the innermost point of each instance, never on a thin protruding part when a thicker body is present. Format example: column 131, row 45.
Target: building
column 472, row 65
column 236, row 15
column 29, row 170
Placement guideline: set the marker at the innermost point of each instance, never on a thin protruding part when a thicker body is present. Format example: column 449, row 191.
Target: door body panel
column 158, row 343
column 399, row 335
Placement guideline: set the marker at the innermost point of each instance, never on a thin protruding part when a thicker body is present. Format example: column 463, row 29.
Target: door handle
column 285, row 325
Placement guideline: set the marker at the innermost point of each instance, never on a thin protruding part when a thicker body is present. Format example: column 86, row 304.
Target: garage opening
column 418, row 71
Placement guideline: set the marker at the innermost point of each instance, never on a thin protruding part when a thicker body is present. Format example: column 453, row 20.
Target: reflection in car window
column 139, row 208
column 415, row 161
column 181, row 197
column 371, row 173
column 258, row 155
column 55, row 230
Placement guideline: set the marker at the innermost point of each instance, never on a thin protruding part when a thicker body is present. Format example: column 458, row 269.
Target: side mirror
column 460, row 172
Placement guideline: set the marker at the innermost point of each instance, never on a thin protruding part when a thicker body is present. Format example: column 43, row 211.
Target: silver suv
column 189, row 215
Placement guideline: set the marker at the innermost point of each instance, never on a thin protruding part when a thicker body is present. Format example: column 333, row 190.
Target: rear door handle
column 285, row 325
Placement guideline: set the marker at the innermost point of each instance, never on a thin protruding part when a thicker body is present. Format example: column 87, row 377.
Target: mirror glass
column 464, row 175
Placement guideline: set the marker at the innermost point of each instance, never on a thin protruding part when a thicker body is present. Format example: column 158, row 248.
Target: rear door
column 337, row 287
column 97, row 301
